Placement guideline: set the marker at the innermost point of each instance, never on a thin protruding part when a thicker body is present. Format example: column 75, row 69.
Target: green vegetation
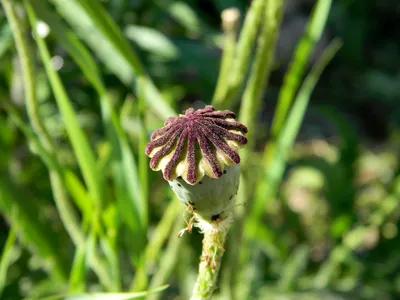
column 83, row 83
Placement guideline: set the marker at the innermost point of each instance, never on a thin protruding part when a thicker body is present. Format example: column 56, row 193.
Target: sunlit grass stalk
column 6, row 258
column 243, row 55
column 85, row 157
column 143, row 164
column 153, row 248
column 20, row 33
column 273, row 175
column 67, row 213
column 230, row 19
column 294, row 74
column 168, row 260
column 92, row 22
column 274, row 172
column 251, row 104
column 261, row 69
column 64, row 207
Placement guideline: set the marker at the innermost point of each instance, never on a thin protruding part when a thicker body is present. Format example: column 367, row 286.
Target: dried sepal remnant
column 200, row 142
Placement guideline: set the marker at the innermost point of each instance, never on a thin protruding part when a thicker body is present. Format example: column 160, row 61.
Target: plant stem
column 260, row 70
column 293, row 76
column 215, row 233
column 66, row 211
column 168, row 261
column 243, row 52
column 230, row 18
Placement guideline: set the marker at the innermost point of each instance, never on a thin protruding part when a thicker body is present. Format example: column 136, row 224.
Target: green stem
column 6, row 259
column 154, row 247
column 243, row 51
column 67, row 213
column 168, row 261
column 65, row 209
column 19, row 31
column 261, row 69
column 214, row 239
column 230, row 19
column 293, row 76
column 251, row 102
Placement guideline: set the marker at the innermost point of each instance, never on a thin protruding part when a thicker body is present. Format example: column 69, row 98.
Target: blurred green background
column 80, row 211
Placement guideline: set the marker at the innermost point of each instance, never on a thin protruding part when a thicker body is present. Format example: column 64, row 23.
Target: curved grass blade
column 98, row 30
column 274, row 164
column 7, row 258
column 293, row 76
column 123, row 163
column 84, row 154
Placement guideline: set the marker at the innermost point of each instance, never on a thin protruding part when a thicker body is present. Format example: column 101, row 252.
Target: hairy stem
column 210, row 262
column 243, row 55
column 230, row 19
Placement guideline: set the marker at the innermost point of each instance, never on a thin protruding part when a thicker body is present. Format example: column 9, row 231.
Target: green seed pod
column 210, row 197
column 197, row 153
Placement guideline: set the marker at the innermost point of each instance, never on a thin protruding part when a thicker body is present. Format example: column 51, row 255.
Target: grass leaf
column 84, row 154
column 98, row 30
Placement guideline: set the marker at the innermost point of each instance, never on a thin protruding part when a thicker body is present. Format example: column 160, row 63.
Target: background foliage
column 81, row 212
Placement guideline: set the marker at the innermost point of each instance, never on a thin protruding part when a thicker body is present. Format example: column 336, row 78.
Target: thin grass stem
column 243, row 55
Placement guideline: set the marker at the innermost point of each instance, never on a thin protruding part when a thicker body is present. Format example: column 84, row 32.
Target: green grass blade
column 5, row 39
column 168, row 260
column 70, row 41
column 230, row 19
column 7, row 258
column 84, row 154
column 261, row 68
column 123, row 165
column 293, row 76
column 124, row 169
column 293, row 268
column 78, row 193
column 66, row 211
column 274, row 164
column 116, row 296
column 77, row 277
column 153, row 248
column 243, row 56
column 35, row 235
column 98, row 30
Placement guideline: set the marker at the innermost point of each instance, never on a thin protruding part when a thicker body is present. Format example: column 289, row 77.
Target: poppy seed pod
column 197, row 153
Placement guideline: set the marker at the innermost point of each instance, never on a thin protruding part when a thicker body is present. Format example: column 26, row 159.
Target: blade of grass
column 168, row 260
column 274, row 167
column 19, row 32
column 65, row 209
column 293, row 76
column 250, row 106
column 7, row 259
column 293, row 268
column 116, row 296
column 70, row 41
column 99, row 31
column 77, row 277
column 130, row 201
column 153, row 248
column 230, row 19
column 78, row 193
column 84, row 154
column 261, row 69
column 243, row 55
column 35, row 235
column 124, row 167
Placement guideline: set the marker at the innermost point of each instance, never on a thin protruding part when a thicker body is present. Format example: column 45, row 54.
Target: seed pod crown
column 200, row 142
